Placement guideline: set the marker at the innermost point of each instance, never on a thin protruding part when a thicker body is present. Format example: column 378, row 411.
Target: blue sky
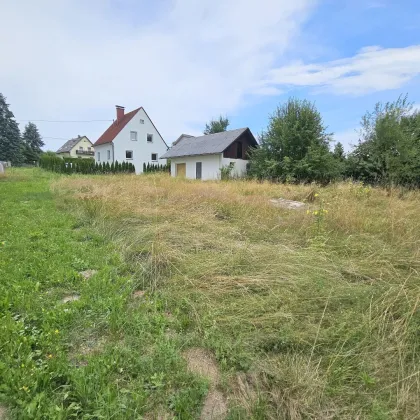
column 187, row 61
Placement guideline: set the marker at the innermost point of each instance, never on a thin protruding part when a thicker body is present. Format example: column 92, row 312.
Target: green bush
column 156, row 168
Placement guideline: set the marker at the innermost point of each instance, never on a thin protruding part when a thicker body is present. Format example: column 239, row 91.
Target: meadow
column 206, row 296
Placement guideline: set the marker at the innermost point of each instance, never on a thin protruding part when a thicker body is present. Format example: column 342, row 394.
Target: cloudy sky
column 186, row 61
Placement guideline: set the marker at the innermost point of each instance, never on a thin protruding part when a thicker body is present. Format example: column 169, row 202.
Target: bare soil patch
column 203, row 363
column 3, row 413
column 287, row 204
column 70, row 298
column 138, row 294
column 87, row 274
column 215, row 406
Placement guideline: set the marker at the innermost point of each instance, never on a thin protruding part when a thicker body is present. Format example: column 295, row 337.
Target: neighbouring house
column 132, row 137
column 79, row 147
column 204, row 157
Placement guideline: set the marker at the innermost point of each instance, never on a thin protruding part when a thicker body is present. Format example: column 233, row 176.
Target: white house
column 132, row 137
column 203, row 157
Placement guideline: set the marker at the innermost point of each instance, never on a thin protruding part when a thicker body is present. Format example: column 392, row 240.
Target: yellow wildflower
column 307, row 211
column 56, row 331
column 50, row 356
column 25, row 388
column 316, row 195
column 316, row 212
column 22, row 365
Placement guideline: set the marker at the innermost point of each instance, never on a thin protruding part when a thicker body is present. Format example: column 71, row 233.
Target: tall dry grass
column 320, row 307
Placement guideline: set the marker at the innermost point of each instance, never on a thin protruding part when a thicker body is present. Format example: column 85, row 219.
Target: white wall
column 102, row 149
column 210, row 166
column 239, row 167
column 142, row 150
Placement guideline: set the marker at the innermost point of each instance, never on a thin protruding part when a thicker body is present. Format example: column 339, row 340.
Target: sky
column 188, row 61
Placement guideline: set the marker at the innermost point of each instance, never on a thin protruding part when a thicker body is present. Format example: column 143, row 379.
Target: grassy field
column 207, row 297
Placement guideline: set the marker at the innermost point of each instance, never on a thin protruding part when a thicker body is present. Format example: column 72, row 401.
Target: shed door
column 198, row 166
column 181, row 169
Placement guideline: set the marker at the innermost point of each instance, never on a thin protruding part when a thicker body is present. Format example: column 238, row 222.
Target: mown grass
column 310, row 314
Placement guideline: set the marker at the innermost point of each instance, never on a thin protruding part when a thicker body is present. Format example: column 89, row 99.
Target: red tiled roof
column 113, row 130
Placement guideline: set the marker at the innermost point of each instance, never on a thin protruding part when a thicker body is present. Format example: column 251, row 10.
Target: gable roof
column 180, row 138
column 69, row 144
column 207, row 145
column 115, row 128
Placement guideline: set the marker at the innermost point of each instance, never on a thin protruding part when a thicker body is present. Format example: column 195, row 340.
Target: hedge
column 156, row 168
column 83, row 166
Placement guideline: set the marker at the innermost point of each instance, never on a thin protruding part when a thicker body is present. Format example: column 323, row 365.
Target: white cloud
column 74, row 60
column 371, row 69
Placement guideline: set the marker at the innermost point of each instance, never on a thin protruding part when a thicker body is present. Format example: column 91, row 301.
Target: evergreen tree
column 29, row 156
column 113, row 167
column 10, row 141
column 108, row 168
column 339, row 152
column 144, row 166
column 32, row 143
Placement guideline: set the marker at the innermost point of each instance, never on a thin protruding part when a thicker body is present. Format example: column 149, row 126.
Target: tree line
column 53, row 163
column 15, row 147
column 296, row 146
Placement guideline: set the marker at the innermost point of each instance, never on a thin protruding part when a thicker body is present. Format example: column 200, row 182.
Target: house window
column 129, row 154
column 149, row 138
column 98, row 155
column 80, row 147
column 239, row 150
column 108, row 154
column 198, row 169
column 141, row 121
column 133, row 135
column 154, row 156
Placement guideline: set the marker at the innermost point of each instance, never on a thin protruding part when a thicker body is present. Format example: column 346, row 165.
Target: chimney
column 120, row 112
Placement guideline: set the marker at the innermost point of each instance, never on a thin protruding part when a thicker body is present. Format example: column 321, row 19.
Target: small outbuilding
column 204, row 157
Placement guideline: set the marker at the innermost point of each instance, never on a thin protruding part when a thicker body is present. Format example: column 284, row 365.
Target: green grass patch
column 104, row 355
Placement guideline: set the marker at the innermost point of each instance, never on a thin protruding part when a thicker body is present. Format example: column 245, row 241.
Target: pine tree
column 10, row 141
column 108, row 168
column 29, row 156
column 32, row 143
column 144, row 166
column 113, row 167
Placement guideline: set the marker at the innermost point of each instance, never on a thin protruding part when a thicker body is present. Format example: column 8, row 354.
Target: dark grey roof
column 68, row 145
column 180, row 138
column 204, row 145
